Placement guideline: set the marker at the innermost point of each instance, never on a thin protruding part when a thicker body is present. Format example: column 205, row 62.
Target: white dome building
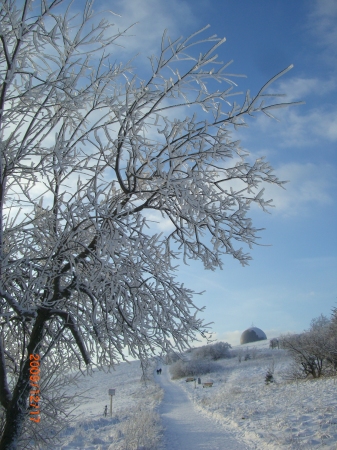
column 252, row 334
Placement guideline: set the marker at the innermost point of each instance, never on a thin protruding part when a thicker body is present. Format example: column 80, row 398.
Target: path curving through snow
column 185, row 428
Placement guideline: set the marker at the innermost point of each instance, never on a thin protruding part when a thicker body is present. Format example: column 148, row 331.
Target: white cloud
column 300, row 89
column 151, row 18
column 309, row 129
column 310, row 184
column 298, row 127
column 322, row 24
column 306, row 126
column 232, row 337
column 156, row 220
column 323, row 17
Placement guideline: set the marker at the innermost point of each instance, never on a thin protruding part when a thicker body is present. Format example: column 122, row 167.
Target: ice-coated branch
column 17, row 307
column 69, row 322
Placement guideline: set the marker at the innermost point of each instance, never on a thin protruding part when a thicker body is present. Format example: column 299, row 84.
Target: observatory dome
column 252, row 334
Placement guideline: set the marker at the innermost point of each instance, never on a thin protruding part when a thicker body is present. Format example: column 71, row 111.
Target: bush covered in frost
column 191, row 368
column 313, row 351
column 142, row 430
column 212, row 351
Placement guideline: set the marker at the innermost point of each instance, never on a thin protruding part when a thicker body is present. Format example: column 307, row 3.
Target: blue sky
column 294, row 278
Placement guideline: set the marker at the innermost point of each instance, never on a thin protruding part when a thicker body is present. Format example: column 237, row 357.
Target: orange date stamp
column 34, row 394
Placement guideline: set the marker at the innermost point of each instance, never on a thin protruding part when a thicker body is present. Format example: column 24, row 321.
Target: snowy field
column 281, row 415
column 134, row 423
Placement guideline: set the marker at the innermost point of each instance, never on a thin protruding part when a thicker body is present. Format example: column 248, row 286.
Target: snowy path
column 187, row 429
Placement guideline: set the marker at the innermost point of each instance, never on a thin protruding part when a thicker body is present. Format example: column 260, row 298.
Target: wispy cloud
column 309, row 129
column 301, row 88
column 299, row 127
column 310, row 184
column 232, row 337
column 310, row 123
column 158, row 223
column 322, row 24
column 150, row 19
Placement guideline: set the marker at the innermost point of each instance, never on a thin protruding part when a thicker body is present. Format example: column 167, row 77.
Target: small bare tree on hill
column 87, row 151
column 313, row 351
column 274, row 343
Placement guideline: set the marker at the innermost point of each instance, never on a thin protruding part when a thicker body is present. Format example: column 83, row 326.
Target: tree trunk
column 17, row 409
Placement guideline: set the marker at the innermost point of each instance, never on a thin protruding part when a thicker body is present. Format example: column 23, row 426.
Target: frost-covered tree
column 273, row 343
column 88, row 151
column 214, row 351
column 314, row 351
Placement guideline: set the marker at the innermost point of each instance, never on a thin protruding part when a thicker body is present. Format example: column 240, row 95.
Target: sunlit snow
column 253, row 415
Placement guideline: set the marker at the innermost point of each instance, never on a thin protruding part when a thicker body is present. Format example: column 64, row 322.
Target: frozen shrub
column 239, row 355
column 212, row 351
column 142, row 430
column 307, row 356
column 274, row 343
column 269, row 377
column 332, row 354
column 253, row 352
column 182, row 368
column 314, row 351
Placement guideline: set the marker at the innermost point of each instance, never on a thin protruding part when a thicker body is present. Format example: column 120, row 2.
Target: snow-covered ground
column 253, row 415
column 281, row 415
column 134, row 423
